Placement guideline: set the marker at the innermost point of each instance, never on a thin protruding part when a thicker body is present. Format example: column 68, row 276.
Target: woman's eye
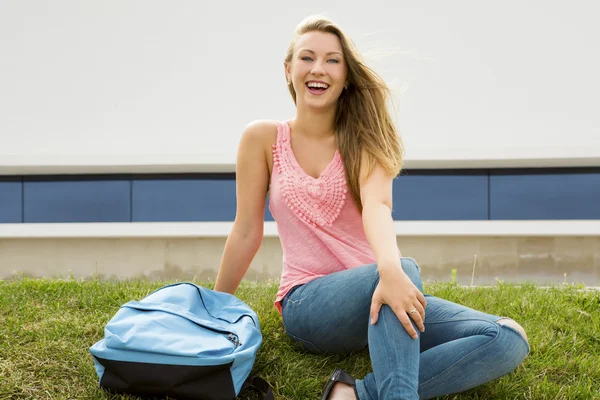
column 308, row 59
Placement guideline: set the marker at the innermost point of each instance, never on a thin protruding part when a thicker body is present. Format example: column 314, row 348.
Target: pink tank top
column 319, row 225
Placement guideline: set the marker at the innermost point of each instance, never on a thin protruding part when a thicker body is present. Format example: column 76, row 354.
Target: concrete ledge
column 477, row 259
column 431, row 158
column 222, row 229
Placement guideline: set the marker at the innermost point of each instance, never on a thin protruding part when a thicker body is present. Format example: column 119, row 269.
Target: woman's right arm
column 252, row 179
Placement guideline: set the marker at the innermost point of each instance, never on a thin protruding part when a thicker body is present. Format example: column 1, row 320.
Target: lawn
column 47, row 326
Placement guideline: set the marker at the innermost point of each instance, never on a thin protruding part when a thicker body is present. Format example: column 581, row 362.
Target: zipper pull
column 233, row 339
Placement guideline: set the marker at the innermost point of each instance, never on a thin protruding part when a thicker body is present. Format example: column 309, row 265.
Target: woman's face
column 317, row 69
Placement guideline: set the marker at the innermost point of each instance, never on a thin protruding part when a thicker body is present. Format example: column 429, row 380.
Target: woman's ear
column 288, row 72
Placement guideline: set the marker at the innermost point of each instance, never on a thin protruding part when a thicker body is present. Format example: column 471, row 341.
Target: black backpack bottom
column 160, row 380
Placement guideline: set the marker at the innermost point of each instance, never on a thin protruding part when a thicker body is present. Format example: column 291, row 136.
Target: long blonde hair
column 362, row 121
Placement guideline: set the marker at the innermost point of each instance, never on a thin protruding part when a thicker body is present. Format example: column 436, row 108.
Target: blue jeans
column 461, row 348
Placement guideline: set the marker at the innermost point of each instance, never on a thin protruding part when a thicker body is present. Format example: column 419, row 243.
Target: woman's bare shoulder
column 262, row 130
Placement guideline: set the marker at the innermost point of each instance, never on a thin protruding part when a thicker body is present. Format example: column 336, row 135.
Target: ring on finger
column 414, row 310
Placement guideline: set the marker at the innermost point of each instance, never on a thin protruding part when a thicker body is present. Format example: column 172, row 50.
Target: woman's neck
column 314, row 124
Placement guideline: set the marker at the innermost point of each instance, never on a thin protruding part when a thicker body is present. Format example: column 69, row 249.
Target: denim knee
column 413, row 271
column 520, row 343
column 512, row 349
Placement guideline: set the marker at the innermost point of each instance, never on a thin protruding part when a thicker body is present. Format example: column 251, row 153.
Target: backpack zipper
column 234, row 339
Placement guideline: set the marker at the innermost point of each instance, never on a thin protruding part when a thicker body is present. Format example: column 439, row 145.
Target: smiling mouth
column 317, row 89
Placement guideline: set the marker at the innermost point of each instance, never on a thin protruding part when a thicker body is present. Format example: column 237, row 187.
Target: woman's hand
column 397, row 291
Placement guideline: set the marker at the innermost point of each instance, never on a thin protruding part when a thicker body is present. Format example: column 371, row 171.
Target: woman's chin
column 319, row 103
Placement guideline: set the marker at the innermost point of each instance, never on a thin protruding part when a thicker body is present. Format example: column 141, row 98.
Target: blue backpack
column 182, row 341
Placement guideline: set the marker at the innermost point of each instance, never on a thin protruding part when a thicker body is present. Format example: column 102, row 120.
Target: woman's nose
column 318, row 69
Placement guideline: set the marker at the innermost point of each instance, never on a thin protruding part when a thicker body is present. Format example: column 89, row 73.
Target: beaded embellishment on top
column 318, row 201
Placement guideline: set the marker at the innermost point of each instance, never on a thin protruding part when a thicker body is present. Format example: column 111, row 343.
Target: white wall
column 174, row 82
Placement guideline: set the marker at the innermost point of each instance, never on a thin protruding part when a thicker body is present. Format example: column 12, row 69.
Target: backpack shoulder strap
column 259, row 385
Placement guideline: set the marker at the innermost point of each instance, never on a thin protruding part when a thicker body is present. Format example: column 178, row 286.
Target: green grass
column 47, row 326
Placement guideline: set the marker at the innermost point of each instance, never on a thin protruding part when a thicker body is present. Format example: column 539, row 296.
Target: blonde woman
column 344, row 285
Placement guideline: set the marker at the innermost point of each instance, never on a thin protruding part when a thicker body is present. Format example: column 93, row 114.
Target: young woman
column 345, row 285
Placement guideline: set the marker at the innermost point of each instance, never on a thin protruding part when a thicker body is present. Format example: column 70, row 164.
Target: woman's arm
column 395, row 288
column 376, row 197
column 252, row 179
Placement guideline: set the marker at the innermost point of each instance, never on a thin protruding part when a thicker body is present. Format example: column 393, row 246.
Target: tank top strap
column 281, row 149
column 281, row 161
column 283, row 134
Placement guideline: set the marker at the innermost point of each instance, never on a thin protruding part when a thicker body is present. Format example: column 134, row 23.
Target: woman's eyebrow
column 331, row 52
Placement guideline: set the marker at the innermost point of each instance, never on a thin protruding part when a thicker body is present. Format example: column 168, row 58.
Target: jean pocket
column 306, row 344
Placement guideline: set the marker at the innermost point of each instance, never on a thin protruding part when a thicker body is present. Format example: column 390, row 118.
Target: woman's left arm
column 376, row 198
column 395, row 288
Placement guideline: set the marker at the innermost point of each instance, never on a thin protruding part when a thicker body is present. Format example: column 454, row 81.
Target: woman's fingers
column 375, row 307
column 405, row 321
column 421, row 312
column 409, row 308
column 418, row 316
column 421, row 299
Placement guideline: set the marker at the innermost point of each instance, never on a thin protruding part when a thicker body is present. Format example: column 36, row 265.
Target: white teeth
column 318, row 85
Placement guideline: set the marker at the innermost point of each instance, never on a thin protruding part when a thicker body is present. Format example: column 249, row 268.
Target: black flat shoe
column 339, row 375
